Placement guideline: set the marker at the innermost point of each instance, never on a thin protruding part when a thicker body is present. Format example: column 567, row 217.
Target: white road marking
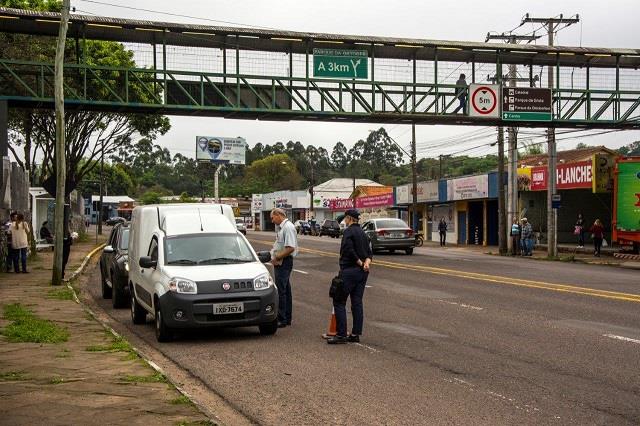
column 368, row 347
column 302, row 272
column 462, row 305
column 625, row 339
column 514, row 403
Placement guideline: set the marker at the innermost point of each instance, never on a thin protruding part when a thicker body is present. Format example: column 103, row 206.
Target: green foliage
column 154, row 378
column 275, row 171
column 118, row 344
column 60, row 294
column 633, row 149
column 151, row 197
column 26, row 327
column 41, row 5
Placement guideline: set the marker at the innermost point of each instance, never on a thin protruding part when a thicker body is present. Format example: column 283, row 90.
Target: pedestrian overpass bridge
column 186, row 69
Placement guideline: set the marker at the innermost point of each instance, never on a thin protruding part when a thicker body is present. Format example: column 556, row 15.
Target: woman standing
column 515, row 237
column 20, row 242
column 597, row 233
column 579, row 230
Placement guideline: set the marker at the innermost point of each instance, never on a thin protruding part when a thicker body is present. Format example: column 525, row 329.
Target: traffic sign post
column 484, row 100
column 556, row 201
column 340, row 63
column 526, row 104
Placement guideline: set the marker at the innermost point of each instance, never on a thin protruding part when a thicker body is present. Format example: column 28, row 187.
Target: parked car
column 330, row 227
column 240, row 225
column 190, row 268
column 115, row 220
column 389, row 234
column 114, row 266
column 302, row 227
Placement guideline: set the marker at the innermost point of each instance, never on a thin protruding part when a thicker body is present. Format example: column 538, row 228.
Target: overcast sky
column 603, row 24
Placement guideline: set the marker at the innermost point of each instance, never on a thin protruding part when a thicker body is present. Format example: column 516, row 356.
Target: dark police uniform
column 354, row 246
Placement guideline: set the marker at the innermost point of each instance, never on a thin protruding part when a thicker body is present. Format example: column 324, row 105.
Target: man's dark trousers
column 285, row 301
column 354, row 281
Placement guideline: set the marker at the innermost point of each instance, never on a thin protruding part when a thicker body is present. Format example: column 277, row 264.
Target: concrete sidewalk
column 58, row 365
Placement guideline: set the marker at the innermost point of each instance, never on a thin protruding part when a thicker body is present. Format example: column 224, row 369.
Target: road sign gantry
column 348, row 93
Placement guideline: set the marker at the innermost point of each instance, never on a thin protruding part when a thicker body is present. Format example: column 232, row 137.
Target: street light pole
column 414, row 178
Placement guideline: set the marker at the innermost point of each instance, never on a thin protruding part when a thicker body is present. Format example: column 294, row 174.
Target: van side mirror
column 147, row 262
column 108, row 249
column 264, row 256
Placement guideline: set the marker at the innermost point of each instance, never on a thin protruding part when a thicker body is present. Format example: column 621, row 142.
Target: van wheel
column 408, row 251
column 106, row 290
column 118, row 299
column 269, row 328
column 163, row 333
column 138, row 314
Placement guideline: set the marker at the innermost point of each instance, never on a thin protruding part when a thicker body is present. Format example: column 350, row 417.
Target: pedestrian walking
column 284, row 250
column 442, row 229
column 526, row 238
column 7, row 231
column 355, row 260
column 20, row 243
column 461, row 94
column 578, row 230
column 515, row 237
column 597, row 233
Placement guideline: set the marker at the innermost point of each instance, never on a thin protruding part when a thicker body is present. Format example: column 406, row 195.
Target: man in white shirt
column 284, row 250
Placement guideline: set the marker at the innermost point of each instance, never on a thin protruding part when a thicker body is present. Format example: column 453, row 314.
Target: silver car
column 240, row 226
column 389, row 234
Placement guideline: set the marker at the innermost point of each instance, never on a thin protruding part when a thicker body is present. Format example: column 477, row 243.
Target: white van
column 190, row 267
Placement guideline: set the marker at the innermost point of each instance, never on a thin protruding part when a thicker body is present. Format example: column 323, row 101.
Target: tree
column 630, row 150
column 582, row 145
column 273, row 173
column 87, row 133
column 151, row 197
column 116, row 180
column 339, row 157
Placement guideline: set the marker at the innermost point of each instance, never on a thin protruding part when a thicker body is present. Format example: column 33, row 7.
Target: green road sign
column 527, row 116
column 340, row 63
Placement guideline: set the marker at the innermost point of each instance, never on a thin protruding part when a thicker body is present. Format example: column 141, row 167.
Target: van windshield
column 206, row 249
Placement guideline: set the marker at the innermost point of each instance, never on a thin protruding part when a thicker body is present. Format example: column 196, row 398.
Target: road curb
column 108, row 328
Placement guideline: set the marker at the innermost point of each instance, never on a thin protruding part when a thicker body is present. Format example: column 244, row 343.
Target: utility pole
column 502, row 235
column 512, row 184
column 215, row 182
column 61, row 175
column 552, row 216
column 414, row 178
column 100, row 208
column 311, row 189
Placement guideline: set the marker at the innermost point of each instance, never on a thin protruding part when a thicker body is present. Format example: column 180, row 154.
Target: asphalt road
column 451, row 337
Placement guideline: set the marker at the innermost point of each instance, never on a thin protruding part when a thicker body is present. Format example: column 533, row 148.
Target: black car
column 114, row 266
column 330, row 227
column 115, row 220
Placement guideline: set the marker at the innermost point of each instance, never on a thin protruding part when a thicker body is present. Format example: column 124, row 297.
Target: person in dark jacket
column 579, row 230
column 442, row 228
column 355, row 259
column 45, row 234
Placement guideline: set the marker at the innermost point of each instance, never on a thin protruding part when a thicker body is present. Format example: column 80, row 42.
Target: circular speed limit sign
column 484, row 101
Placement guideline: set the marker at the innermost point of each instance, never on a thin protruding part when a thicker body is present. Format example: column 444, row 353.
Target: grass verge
column 26, row 327
column 60, row 294
column 12, row 376
column 154, row 378
column 181, row 400
column 118, row 344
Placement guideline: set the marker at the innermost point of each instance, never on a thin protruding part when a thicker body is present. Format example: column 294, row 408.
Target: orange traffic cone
column 332, row 326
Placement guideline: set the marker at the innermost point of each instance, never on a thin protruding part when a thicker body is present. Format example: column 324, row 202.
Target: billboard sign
column 467, row 188
column 337, row 204
column 628, row 197
column 221, row 150
column 427, row 191
column 374, row 201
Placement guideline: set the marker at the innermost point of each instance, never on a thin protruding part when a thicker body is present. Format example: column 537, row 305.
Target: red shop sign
column 568, row 176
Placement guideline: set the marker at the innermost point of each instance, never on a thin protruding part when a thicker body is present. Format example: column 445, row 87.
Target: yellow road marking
column 565, row 288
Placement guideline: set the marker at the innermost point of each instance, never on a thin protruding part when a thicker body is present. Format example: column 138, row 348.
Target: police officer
column 355, row 258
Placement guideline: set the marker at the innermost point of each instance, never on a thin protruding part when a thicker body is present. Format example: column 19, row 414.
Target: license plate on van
column 228, row 308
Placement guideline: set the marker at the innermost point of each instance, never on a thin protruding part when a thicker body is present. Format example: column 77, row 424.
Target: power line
column 177, row 15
